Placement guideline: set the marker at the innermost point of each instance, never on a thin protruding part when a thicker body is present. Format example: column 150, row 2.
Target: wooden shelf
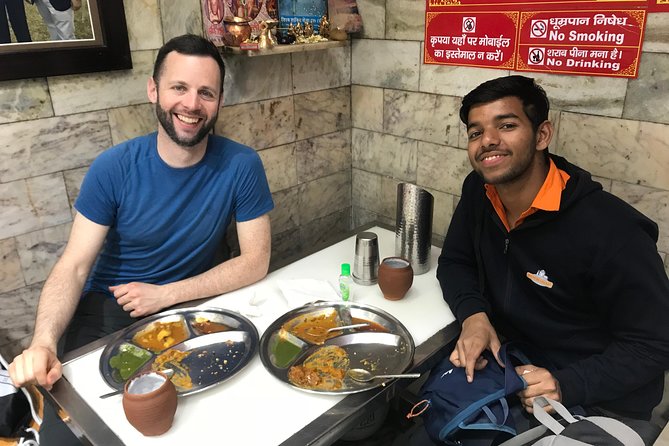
column 285, row 49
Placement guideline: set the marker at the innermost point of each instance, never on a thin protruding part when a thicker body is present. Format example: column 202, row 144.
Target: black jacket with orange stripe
column 584, row 286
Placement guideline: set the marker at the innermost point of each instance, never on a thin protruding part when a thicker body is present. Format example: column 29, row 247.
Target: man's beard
column 516, row 171
column 165, row 119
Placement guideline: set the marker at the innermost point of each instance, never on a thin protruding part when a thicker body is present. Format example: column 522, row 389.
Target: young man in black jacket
column 537, row 252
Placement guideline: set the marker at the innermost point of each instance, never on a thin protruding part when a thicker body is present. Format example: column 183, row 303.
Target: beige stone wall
column 294, row 109
column 406, row 128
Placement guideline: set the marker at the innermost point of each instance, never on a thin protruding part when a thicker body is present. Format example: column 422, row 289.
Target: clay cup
column 395, row 277
column 149, row 403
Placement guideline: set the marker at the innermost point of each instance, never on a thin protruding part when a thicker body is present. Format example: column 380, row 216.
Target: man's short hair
column 533, row 97
column 191, row 45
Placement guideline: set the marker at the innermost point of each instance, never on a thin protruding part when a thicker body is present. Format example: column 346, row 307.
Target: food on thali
column 313, row 328
column 206, row 326
column 286, row 350
column 173, row 359
column 161, row 335
column 128, row 360
column 324, row 369
column 194, row 360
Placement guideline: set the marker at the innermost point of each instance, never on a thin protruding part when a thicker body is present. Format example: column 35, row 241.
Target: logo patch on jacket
column 540, row 278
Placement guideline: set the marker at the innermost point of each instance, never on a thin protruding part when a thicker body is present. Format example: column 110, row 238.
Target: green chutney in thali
column 286, row 349
column 128, row 360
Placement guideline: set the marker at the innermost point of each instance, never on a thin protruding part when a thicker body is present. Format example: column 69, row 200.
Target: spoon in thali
column 315, row 331
column 363, row 376
column 347, row 327
column 319, row 334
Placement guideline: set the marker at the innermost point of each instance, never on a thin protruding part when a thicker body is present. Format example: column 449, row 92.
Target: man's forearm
column 57, row 304
column 228, row 276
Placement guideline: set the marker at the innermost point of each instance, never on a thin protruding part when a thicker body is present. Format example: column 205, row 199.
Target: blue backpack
column 453, row 408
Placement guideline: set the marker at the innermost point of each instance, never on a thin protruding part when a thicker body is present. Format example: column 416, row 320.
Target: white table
column 254, row 407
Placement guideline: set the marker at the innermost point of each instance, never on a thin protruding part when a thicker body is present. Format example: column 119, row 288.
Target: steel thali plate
column 204, row 346
column 384, row 347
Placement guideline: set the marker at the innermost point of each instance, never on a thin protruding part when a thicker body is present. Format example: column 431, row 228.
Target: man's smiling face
column 502, row 144
column 187, row 97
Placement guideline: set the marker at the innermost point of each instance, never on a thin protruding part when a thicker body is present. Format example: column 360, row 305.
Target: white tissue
column 298, row 292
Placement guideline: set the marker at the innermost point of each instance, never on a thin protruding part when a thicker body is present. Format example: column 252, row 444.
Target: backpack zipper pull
column 423, row 405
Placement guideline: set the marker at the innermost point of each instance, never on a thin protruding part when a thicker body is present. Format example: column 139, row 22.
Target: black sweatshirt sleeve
column 457, row 271
column 631, row 289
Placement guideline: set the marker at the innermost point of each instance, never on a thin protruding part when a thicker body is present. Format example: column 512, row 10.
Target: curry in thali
column 314, row 328
column 206, row 326
column 324, row 369
column 371, row 326
column 157, row 337
column 161, row 335
column 173, row 359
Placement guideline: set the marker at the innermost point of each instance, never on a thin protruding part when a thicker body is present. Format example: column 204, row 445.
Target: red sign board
column 527, row 5
column 484, row 39
column 604, row 43
column 519, row 5
column 580, row 41
column 658, row 6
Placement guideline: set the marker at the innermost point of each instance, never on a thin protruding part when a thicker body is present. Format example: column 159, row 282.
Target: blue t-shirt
column 166, row 223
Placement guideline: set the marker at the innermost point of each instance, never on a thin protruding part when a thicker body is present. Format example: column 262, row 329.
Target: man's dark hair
column 533, row 97
column 191, row 45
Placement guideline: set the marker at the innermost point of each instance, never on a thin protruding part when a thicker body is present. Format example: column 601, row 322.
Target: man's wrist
column 476, row 318
column 171, row 293
column 39, row 342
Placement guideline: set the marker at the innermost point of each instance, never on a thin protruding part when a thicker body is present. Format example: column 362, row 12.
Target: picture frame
column 108, row 50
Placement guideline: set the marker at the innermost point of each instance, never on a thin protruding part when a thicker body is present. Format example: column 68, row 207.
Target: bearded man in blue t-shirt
column 151, row 214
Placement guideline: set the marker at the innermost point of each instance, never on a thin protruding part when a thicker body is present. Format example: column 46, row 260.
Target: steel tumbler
column 366, row 259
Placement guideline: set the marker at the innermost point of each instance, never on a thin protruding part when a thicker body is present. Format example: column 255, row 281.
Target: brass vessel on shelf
column 237, row 30
column 337, row 34
column 266, row 40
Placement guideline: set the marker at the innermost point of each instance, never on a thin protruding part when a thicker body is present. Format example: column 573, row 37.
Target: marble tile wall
column 406, row 128
column 294, row 109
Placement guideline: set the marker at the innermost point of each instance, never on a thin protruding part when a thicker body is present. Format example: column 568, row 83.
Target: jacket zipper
column 507, row 293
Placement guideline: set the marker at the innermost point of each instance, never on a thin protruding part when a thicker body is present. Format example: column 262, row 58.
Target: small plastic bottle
column 345, row 282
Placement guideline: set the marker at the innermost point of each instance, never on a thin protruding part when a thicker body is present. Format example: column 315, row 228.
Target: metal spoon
column 115, row 392
column 363, row 376
column 314, row 331
column 346, row 327
column 167, row 372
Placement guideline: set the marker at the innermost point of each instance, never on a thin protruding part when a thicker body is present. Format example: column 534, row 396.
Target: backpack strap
column 547, row 419
column 622, row 432
column 491, row 421
column 513, row 383
column 526, row 437
column 617, row 429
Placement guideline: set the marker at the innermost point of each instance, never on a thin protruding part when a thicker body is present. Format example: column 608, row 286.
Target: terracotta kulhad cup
column 395, row 277
column 149, row 403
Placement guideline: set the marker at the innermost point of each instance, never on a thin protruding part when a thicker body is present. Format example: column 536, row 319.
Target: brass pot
column 337, row 34
column 266, row 40
column 237, row 30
